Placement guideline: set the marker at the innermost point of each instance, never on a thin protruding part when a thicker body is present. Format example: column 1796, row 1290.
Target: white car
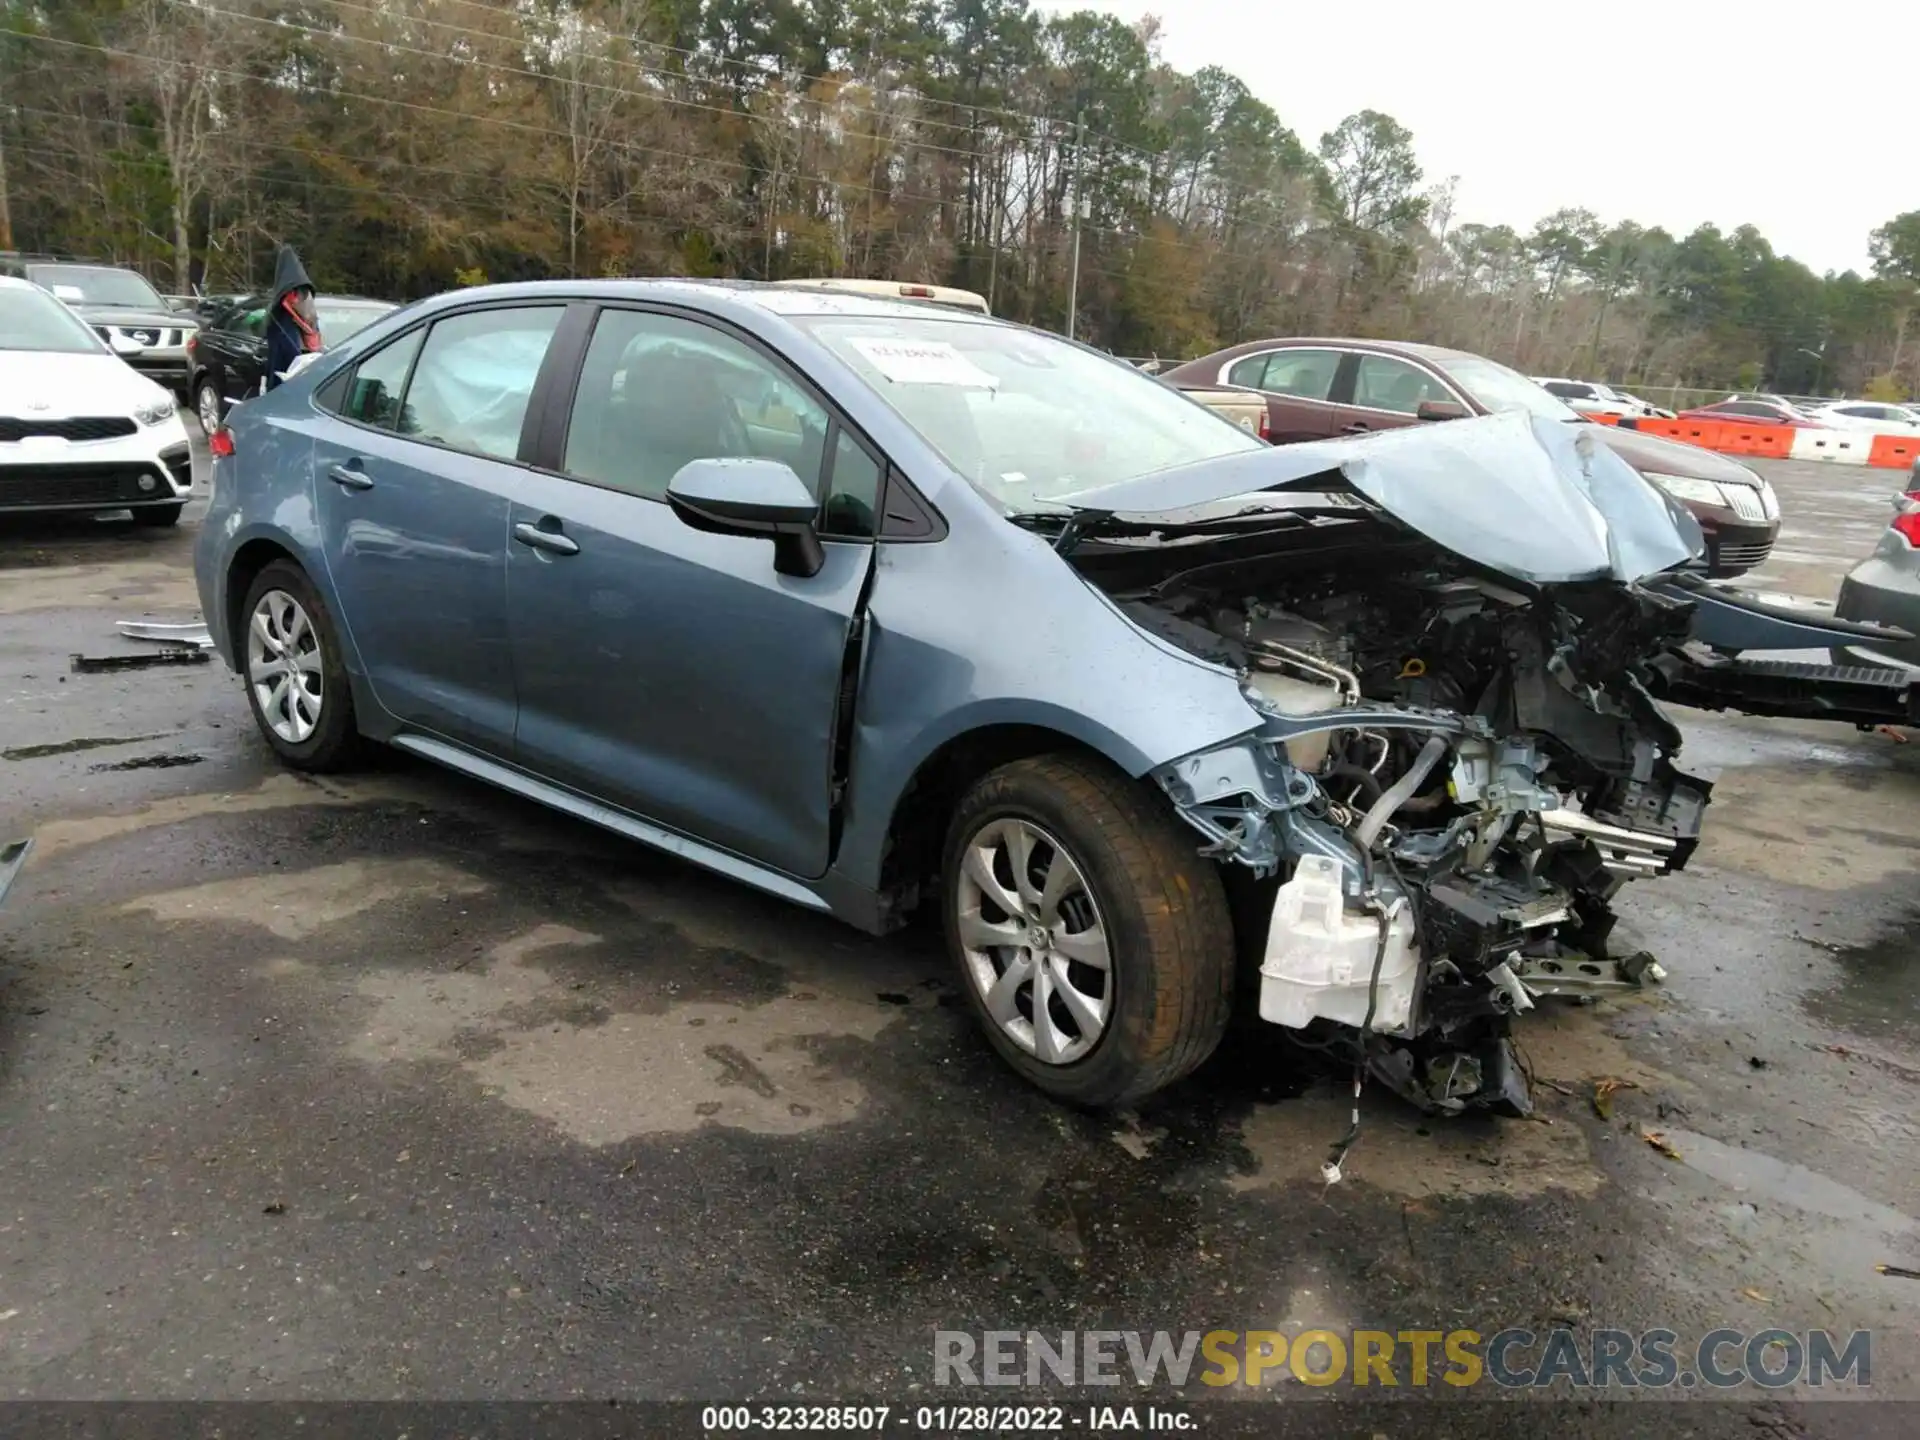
column 1590, row 397
column 79, row 428
column 1870, row 415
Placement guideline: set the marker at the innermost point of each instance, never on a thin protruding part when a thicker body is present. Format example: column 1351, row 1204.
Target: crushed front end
column 1454, row 775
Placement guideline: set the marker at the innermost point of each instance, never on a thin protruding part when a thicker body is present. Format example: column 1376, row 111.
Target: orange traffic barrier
column 1895, row 452
column 1599, row 416
column 1726, row 436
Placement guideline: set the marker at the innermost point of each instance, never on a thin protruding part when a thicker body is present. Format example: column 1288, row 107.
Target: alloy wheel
column 208, row 408
column 284, row 666
column 1033, row 939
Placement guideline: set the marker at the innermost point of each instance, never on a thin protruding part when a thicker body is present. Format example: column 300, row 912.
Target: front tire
column 1093, row 942
column 291, row 665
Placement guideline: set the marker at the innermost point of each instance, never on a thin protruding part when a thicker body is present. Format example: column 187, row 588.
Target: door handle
column 1358, row 427
column 549, row 540
column 348, row 478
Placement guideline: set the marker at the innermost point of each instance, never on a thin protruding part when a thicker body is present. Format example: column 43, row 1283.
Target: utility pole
column 1078, row 208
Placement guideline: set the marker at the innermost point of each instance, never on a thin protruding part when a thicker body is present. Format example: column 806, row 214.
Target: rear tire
column 208, row 406
column 296, row 681
column 157, row 515
column 1134, row 890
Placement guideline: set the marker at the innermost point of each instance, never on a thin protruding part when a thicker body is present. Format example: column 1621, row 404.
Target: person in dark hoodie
column 293, row 326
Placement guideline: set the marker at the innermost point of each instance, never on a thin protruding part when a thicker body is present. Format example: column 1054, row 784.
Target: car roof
column 719, row 296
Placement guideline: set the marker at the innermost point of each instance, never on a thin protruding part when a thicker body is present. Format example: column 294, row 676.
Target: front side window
column 1025, row 417
column 659, row 391
column 1570, row 390
column 474, row 379
column 1381, row 382
column 34, row 320
column 1303, row 374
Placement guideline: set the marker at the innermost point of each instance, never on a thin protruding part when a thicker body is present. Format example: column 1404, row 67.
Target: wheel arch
column 909, row 852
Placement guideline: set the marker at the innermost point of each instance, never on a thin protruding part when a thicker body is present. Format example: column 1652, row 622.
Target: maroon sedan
column 1767, row 412
column 1316, row 389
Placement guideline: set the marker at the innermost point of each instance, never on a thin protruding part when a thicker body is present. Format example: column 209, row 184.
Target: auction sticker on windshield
column 922, row 362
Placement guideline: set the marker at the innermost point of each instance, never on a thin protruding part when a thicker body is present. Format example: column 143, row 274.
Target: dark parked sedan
column 228, row 357
column 872, row 605
column 1320, row 388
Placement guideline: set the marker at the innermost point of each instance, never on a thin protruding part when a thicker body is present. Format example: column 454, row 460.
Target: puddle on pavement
column 293, row 904
column 276, row 792
column 1760, row 1176
column 1877, row 990
column 513, row 1027
column 61, row 587
column 1805, row 824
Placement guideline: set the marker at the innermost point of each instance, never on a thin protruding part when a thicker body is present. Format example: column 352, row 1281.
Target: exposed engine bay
column 1455, row 773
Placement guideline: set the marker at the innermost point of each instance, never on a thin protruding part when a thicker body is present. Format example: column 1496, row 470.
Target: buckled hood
column 1538, row 500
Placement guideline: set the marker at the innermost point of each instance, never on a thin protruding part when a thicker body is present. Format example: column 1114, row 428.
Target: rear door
column 661, row 669
column 413, row 484
column 231, row 350
column 1384, row 392
column 1298, row 382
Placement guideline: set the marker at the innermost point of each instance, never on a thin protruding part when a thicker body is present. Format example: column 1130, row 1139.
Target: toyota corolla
column 877, row 608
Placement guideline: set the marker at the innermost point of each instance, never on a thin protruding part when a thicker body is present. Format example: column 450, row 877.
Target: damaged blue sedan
column 879, row 607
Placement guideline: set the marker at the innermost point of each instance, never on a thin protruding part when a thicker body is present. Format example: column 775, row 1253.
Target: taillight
column 1266, row 426
column 221, row 443
column 193, row 344
column 1907, row 526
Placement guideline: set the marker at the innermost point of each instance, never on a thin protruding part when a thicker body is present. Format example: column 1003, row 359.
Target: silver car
column 1885, row 587
column 878, row 607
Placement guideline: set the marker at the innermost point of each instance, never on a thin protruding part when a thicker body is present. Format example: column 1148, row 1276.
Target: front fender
column 997, row 631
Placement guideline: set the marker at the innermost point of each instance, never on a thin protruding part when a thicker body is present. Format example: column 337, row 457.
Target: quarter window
column 659, row 391
column 474, row 380
column 1381, row 382
column 853, row 489
column 373, row 397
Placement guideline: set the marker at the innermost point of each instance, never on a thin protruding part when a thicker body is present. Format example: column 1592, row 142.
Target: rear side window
column 373, row 395
column 474, row 379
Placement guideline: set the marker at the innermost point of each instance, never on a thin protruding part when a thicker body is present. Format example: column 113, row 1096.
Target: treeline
column 412, row 145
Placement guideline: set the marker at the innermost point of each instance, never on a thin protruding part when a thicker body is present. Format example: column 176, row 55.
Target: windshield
column 97, row 285
column 339, row 322
column 1025, row 417
column 34, row 320
column 1500, row 390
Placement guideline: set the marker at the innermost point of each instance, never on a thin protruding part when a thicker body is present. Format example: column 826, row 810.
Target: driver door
column 661, row 669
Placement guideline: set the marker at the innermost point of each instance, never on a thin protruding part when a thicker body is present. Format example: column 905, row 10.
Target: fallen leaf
column 1659, row 1142
column 274, row 1207
column 1755, row 1295
column 1897, row 1272
column 1603, row 1094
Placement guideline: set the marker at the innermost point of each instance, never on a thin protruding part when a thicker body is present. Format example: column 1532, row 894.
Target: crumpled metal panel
column 1540, row 500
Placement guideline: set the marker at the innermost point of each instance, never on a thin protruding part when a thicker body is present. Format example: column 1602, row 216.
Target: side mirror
column 1440, row 410
column 752, row 497
column 124, row 344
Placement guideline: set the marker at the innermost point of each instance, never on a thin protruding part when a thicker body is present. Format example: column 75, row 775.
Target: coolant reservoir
column 1319, row 959
column 1293, row 696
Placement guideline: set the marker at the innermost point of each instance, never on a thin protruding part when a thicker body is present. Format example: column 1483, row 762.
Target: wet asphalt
column 390, row 1086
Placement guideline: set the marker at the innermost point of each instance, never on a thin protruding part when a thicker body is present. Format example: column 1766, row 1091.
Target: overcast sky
column 1803, row 122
